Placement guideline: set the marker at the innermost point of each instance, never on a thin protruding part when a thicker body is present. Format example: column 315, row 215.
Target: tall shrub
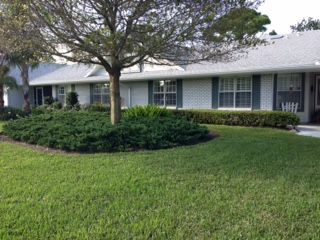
column 72, row 100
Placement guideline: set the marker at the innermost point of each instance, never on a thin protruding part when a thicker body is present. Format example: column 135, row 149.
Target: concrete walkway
column 309, row 130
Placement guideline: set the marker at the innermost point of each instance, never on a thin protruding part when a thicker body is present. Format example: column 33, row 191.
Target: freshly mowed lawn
column 247, row 184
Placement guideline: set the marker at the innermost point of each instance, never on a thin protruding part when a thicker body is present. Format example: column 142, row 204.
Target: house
column 287, row 69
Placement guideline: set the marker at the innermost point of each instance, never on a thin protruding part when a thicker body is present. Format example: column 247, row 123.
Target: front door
column 39, row 96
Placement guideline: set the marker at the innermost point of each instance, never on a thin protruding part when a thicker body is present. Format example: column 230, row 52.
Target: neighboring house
column 285, row 70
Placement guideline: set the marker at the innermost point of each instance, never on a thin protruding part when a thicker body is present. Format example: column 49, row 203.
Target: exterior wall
column 15, row 98
column 54, row 92
column 197, row 94
column 125, row 95
column 83, row 91
column 266, row 92
column 5, row 98
column 138, row 93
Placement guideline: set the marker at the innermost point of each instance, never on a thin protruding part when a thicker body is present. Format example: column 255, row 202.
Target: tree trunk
column 1, row 97
column 115, row 96
column 25, row 87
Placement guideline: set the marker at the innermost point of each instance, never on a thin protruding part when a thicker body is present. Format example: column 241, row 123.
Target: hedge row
column 236, row 118
column 92, row 132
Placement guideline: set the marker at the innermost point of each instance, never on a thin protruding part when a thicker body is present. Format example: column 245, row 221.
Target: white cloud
column 284, row 13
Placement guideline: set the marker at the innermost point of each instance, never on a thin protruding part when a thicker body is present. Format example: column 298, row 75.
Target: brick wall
column 267, row 92
column 197, row 93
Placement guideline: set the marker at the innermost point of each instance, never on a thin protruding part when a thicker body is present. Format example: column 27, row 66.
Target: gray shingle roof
column 288, row 53
column 41, row 71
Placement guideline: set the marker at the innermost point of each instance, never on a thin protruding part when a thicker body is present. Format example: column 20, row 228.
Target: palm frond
column 8, row 81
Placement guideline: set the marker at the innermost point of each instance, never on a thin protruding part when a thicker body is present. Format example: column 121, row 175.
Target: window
column 235, row 92
column 165, row 93
column 289, row 89
column 101, row 93
column 62, row 94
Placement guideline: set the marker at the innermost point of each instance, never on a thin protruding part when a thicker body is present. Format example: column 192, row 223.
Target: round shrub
column 57, row 105
column 92, row 132
column 48, row 100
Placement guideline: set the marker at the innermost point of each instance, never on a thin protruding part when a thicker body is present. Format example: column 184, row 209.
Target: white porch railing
column 290, row 107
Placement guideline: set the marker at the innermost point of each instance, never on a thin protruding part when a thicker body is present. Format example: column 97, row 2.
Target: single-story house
column 287, row 69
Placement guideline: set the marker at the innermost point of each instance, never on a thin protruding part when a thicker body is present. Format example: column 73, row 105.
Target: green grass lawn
column 247, row 184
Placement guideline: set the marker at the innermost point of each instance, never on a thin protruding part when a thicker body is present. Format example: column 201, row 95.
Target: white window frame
column 62, row 94
column 101, row 94
column 165, row 92
column 235, row 91
column 300, row 91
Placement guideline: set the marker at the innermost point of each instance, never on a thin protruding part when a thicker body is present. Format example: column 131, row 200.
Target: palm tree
column 24, row 62
column 5, row 81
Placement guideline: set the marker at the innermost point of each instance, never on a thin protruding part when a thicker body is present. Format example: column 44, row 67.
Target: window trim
column 101, row 94
column 64, row 94
column 235, row 91
column 165, row 92
column 300, row 107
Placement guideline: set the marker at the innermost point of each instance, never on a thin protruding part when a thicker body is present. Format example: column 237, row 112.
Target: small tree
column 120, row 34
column 72, row 100
column 5, row 81
column 306, row 25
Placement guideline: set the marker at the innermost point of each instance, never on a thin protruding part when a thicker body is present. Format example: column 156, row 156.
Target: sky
column 284, row 13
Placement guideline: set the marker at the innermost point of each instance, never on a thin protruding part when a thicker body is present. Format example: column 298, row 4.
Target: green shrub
column 150, row 111
column 41, row 110
column 72, row 101
column 57, row 105
column 48, row 100
column 96, row 108
column 9, row 113
column 236, row 118
column 92, row 132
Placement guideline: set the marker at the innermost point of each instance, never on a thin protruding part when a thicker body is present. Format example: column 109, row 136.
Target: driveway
column 309, row 130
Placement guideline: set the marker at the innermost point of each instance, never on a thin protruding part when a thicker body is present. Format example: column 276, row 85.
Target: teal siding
column 150, row 92
column 215, row 93
column 275, row 86
column 91, row 93
column 256, row 92
column 301, row 109
column 179, row 93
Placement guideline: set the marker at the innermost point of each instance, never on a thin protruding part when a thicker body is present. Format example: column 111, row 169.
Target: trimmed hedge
column 237, row 118
column 92, row 132
column 9, row 113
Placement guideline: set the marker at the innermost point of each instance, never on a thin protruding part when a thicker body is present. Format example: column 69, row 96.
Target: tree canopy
column 306, row 25
column 21, row 41
column 120, row 34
